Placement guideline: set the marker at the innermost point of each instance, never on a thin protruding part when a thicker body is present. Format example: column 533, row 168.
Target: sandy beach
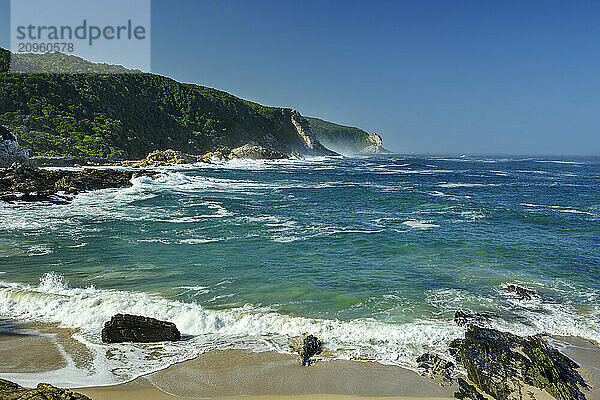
column 243, row 374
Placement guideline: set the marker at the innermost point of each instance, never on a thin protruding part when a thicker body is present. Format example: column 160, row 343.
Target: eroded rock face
column 256, row 152
column 24, row 183
column 10, row 150
column 134, row 328
column 501, row 364
column 309, row 139
column 12, row 391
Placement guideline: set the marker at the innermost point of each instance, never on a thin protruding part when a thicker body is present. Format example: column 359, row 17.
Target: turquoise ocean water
column 373, row 254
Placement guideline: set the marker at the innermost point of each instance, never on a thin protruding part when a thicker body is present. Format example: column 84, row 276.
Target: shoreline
column 236, row 374
column 244, row 374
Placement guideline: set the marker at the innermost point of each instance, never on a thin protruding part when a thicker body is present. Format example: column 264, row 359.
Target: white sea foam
column 357, row 231
column 194, row 241
column 467, row 185
column 196, row 288
column 559, row 162
column 420, row 224
column 246, row 327
column 561, row 209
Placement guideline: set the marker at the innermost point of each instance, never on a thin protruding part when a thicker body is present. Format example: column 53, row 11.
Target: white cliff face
column 376, row 139
column 377, row 145
column 304, row 130
column 10, row 150
column 309, row 139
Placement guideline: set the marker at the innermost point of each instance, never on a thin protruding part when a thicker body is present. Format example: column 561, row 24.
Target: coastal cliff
column 130, row 114
column 346, row 139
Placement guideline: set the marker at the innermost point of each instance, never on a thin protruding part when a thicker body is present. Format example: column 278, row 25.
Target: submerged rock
column 435, row 366
column 12, row 391
column 24, row 183
column 134, row 328
column 501, row 364
column 311, row 346
column 461, row 318
column 256, row 152
column 522, row 293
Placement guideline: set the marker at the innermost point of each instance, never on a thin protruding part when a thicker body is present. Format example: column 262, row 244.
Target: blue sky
column 500, row 77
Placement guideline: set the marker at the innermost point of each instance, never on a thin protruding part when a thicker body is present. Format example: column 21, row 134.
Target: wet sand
column 236, row 373
column 242, row 374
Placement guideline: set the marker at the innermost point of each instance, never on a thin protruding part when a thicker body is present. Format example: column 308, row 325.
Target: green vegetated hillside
column 346, row 139
column 129, row 115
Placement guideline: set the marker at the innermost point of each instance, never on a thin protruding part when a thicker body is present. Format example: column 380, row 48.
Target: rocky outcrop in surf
column 522, row 293
column 462, row 318
column 138, row 329
column 255, row 152
column 10, row 150
column 159, row 158
column 507, row 366
column 24, row 183
column 43, row 391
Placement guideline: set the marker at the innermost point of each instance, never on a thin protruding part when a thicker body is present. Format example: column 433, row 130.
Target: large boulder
column 12, row 391
column 502, row 364
column 256, row 152
column 134, row 328
column 10, row 150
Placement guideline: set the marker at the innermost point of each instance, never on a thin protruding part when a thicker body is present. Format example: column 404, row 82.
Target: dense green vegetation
column 343, row 139
column 130, row 114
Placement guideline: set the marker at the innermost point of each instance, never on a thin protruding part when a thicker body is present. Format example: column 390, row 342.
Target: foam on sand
column 248, row 327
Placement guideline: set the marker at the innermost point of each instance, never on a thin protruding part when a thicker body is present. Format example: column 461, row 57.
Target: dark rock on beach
column 502, row 364
column 467, row 391
column 522, row 293
column 435, row 366
column 311, row 346
column 24, row 183
column 12, row 391
column 134, row 328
